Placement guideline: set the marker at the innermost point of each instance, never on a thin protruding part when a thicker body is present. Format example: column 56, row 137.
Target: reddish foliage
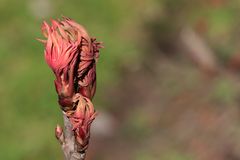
column 72, row 55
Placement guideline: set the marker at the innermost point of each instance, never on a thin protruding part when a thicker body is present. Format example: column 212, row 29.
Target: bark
column 68, row 142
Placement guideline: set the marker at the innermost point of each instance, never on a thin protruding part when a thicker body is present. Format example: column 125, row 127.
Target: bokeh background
column 168, row 79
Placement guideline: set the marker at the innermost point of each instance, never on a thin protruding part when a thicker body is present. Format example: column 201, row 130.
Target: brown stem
column 68, row 142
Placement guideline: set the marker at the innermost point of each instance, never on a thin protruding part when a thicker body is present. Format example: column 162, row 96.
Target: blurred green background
column 168, row 79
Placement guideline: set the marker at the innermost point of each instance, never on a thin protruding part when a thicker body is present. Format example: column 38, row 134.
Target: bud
column 59, row 133
column 81, row 119
column 72, row 55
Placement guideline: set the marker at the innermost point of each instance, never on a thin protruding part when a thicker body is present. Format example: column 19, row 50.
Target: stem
column 68, row 142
